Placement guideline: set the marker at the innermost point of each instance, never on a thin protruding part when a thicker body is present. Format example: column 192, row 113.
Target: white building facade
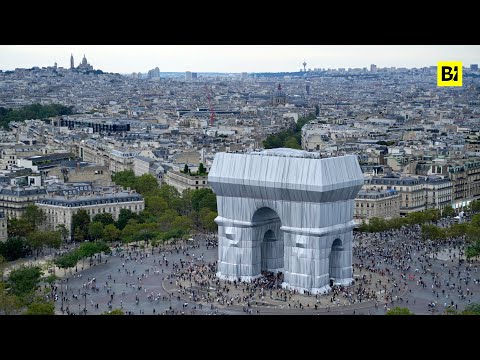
column 60, row 209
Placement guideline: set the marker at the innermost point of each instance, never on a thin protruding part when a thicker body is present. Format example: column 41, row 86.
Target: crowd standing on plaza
column 387, row 265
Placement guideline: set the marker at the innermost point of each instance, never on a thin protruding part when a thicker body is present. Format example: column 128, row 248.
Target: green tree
column 207, row 218
column 144, row 234
column 111, row 233
column 130, row 229
column 14, row 248
column 475, row 206
column 145, row 183
column 63, row 232
column 457, row 230
column 40, row 308
column 36, row 240
column 386, row 143
column 448, row 211
column 472, row 309
column 201, row 169
column 377, row 224
column 104, row 218
column 34, row 216
column 182, row 222
column 95, row 230
column 473, row 232
column 399, row 311
column 415, row 217
column 168, row 193
column 450, row 311
column 432, row 215
column 174, row 233
column 203, row 198
column 19, row 227
column 146, row 216
column 184, row 204
column 102, row 247
column 81, row 221
column 24, row 281
column 124, row 178
column 288, row 138
column 33, row 111
column 475, row 221
column 9, row 303
column 68, row 260
column 166, row 220
column 123, row 218
column 87, row 249
column 397, row 222
column 432, row 232
column 156, row 205
column 292, row 143
column 79, row 235
column 114, row 312
column 53, row 239
column 472, row 251
column 2, row 266
column 50, row 279
column 186, row 170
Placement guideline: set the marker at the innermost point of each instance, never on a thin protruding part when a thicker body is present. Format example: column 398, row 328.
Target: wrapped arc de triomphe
column 288, row 211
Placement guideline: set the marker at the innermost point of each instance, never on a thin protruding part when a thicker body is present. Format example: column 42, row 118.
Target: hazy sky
column 234, row 58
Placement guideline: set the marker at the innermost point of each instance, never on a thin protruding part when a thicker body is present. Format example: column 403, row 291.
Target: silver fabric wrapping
column 286, row 210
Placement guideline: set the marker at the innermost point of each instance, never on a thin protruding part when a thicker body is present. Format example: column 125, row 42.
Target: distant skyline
column 126, row 59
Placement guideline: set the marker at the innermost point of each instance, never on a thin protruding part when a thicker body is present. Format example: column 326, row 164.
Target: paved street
column 395, row 268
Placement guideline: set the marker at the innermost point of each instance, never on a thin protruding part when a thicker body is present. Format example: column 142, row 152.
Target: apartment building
column 412, row 191
column 60, row 209
column 376, row 203
column 182, row 181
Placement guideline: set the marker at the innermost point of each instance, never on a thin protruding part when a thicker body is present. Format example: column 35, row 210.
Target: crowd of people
column 390, row 268
column 413, row 263
column 129, row 285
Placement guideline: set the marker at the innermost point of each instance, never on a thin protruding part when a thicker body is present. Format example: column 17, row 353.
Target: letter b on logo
column 449, row 73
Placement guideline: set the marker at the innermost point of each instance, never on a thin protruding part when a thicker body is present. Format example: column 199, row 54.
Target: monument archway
column 271, row 253
column 286, row 210
column 335, row 261
column 269, row 247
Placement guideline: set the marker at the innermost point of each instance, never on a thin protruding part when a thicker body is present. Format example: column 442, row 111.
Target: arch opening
column 334, row 269
column 265, row 214
column 269, row 251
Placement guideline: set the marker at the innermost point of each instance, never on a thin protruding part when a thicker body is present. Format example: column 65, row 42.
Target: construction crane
column 210, row 106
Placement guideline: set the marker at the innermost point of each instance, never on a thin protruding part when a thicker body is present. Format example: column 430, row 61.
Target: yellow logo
column 449, row 73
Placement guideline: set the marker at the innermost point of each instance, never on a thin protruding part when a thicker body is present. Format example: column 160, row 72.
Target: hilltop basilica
column 83, row 66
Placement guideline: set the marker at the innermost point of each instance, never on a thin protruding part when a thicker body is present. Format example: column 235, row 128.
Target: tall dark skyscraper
column 72, row 65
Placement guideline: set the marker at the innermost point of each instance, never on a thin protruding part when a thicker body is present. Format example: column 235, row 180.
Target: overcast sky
column 234, row 58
